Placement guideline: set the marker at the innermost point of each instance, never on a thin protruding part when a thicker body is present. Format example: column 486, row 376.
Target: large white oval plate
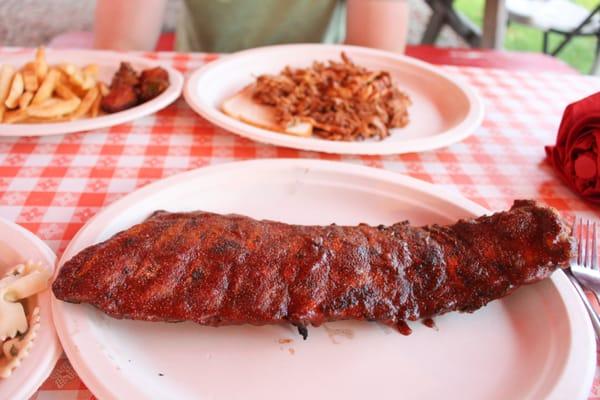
column 444, row 110
column 108, row 63
column 18, row 245
column 537, row 343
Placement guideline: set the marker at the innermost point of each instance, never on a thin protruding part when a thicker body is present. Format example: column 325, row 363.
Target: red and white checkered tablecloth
column 53, row 185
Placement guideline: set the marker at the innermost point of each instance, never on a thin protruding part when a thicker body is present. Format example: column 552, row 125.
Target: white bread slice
column 243, row 107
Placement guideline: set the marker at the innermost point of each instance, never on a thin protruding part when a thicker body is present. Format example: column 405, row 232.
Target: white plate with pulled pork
column 335, row 99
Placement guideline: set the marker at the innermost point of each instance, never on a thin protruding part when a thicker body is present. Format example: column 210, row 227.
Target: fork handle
column 586, row 302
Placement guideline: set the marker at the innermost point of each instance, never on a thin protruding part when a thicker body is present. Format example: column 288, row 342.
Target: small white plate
column 537, row 343
column 18, row 245
column 108, row 63
column 444, row 110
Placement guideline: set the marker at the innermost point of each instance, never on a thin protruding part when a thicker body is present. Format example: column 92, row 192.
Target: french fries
column 15, row 92
column 40, row 92
column 64, row 92
column 6, row 75
column 53, row 107
column 91, row 70
column 104, row 90
column 67, row 68
column 95, row 110
column 10, row 117
column 47, row 87
column 30, row 78
column 25, row 99
column 40, row 64
column 86, row 103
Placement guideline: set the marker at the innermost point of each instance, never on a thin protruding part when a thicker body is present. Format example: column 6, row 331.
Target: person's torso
column 231, row 25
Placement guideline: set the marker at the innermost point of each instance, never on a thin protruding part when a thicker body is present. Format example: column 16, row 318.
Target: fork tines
column 585, row 235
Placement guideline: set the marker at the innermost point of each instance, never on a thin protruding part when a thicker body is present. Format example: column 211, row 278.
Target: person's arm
column 381, row 24
column 128, row 24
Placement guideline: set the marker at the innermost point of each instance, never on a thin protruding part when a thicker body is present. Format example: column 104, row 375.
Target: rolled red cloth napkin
column 576, row 156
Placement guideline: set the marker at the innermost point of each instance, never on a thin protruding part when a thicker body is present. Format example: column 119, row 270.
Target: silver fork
column 583, row 271
column 585, row 267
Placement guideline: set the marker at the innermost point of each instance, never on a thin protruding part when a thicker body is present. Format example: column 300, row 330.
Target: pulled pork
column 342, row 100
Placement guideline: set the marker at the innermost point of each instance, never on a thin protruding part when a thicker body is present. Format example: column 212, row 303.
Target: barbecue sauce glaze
column 230, row 269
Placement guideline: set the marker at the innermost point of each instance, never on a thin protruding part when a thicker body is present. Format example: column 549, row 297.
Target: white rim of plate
column 44, row 366
column 582, row 347
column 455, row 134
column 103, row 57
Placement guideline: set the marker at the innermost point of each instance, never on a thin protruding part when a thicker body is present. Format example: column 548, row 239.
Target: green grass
column 579, row 53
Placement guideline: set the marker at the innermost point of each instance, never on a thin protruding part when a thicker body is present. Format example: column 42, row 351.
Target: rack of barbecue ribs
column 230, row 269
